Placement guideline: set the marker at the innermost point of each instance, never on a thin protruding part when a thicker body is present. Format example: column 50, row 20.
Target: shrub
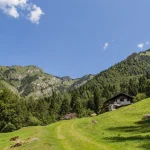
column 9, row 128
column 33, row 121
column 139, row 97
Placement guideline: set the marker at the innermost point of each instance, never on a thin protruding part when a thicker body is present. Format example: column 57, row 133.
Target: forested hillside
column 131, row 76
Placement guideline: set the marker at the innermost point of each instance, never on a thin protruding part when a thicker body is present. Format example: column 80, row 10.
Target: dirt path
column 71, row 139
column 62, row 137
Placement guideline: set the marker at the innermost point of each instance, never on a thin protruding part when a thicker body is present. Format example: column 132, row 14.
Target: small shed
column 70, row 116
column 93, row 115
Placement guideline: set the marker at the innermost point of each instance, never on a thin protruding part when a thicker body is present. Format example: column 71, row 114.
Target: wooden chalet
column 117, row 101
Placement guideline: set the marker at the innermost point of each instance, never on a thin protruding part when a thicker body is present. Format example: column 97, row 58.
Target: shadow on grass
column 139, row 127
column 145, row 146
column 134, row 133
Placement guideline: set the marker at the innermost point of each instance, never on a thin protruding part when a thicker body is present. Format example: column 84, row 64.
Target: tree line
column 16, row 112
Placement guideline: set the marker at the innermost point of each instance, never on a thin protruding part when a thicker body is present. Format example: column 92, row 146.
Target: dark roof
column 117, row 96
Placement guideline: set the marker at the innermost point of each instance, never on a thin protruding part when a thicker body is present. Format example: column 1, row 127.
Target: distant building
column 70, row 116
column 117, row 101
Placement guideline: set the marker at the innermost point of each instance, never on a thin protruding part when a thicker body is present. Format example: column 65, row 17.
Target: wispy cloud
column 140, row 46
column 106, row 46
column 14, row 8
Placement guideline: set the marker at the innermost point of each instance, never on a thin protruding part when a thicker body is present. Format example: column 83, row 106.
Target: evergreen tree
column 142, row 84
column 148, row 88
column 12, row 111
column 77, row 106
column 133, row 86
column 97, row 102
column 65, row 107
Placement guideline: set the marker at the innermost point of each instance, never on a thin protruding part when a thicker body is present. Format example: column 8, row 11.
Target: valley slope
column 118, row 130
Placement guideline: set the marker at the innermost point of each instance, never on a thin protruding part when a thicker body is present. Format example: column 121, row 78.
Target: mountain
column 33, row 81
column 83, row 96
column 128, row 76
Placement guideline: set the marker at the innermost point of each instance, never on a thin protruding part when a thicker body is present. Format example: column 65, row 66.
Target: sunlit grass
column 117, row 130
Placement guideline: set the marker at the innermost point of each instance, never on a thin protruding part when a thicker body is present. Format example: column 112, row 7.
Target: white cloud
column 12, row 12
column 106, row 45
column 35, row 14
column 14, row 8
column 11, row 3
column 140, row 46
column 147, row 43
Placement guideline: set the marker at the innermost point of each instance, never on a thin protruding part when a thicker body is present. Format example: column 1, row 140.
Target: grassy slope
column 117, row 130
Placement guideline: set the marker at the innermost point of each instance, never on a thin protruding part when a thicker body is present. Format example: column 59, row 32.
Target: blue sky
column 73, row 37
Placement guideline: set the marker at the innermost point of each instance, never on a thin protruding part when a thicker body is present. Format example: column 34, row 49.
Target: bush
column 2, row 125
column 33, row 121
column 139, row 97
column 9, row 128
column 89, row 112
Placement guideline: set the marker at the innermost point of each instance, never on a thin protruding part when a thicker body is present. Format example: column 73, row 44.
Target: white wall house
column 117, row 101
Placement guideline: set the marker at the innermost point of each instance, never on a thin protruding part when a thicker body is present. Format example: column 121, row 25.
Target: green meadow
column 122, row 129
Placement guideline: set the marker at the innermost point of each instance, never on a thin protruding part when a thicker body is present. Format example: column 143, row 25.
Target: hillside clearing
column 117, row 130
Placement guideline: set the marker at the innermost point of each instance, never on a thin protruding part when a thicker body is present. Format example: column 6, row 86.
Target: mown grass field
column 117, row 130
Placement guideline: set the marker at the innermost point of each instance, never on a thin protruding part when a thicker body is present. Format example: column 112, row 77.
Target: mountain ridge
column 33, row 81
column 123, row 77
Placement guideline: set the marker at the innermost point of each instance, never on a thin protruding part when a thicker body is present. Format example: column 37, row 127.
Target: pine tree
column 148, row 88
column 65, row 107
column 77, row 106
column 97, row 102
